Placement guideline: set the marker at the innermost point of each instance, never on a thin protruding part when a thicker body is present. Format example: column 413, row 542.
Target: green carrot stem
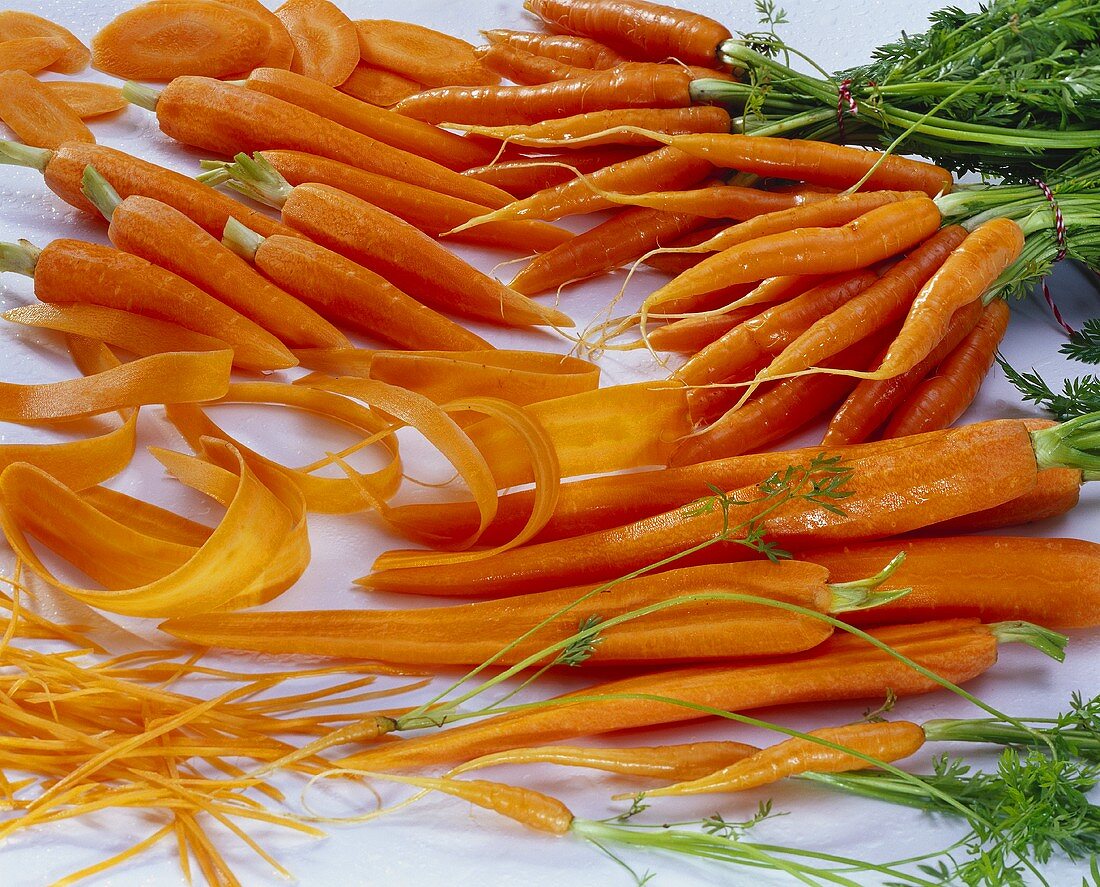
column 19, row 258
column 256, row 178
column 143, row 96
column 241, row 239
column 99, row 191
column 1070, row 445
column 15, row 154
column 1042, row 639
column 1083, row 743
column 863, row 594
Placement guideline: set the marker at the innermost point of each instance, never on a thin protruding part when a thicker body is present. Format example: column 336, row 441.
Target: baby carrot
column 430, row 142
column 37, row 115
column 15, row 25
column 421, row 54
column 30, row 54
column 525, row 176
column 326, row 44
column 228, row 119
column 88, row 99
column 637, row 27
column 378, row 87
column 580, row 52
column 720, row 201
column 944, row 397
column 527, row 68
column 692, row 334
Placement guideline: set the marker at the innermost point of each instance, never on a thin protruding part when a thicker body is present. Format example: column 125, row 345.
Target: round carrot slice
column 421, row 54
column 325, row 40
column 281, row 54
column 166, row 39
column 88, row 99
column 15, row 25
column 378, row 87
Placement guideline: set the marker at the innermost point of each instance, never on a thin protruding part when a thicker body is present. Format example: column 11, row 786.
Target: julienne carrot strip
column 581, row 52
column 427, row 210
column 656, row 86
column 38, row 116
column 430, row 142
column 638, row 28
column 88, row 100
column 525, row 176
column 63, row 170
column 30, row 54
column 378, row 87
column 347, row 293
column 228, row 119
column 326, row 44
column 421, row 54
column 871, row 403
column 944, row 397
column 15, row 25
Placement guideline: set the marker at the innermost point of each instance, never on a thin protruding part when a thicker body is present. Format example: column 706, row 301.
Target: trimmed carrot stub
column 88, row 99
column 162, row 235
column 941, row 399
column 326, row 45
column 656, row 86
column 1054, row 582
column 525, row 176
column 162, row 40
column 37, row 115
column 841, row 668
column 227, row 119
column 378, row 87
column 884, row 741
column 581, row 52
column 872, row 402
column 347, row 293
column 637, row 28
column 421, row 54
column 413, row 136
column 15, row 25
column 30, row 54
column 64, row 168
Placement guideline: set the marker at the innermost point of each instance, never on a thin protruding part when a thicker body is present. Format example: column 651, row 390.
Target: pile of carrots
column 805, row 283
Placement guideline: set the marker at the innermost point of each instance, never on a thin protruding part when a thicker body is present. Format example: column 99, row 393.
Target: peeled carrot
column 604, row 248
column 421, row 54
column 30, row 54
column 941, row 399
column 379, row 87
column 872, row 402
column 840, row 669
column 657, row 86
column 37, row 115
column 160, row 40
column 326, row 44
column 15, row 25
column 440, row 146
column 581, row 52
column 638, row 28
column 228, row 119
column 88, row 99
column 525, row 176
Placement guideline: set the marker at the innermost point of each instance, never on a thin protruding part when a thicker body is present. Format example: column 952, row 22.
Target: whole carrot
column 944, row 397
column 582, row 52
column 720, row 201
column 38, row 116
column 1056, row 492
column 524, row 176
column 692, row 334
column 524, row 67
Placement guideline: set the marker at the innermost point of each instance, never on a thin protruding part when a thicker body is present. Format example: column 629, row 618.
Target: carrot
column 326, row 44
column 37, row 115
column 280, row 54
column 871, row 403
column 1056, row 492
column 691, row 334
column 943, row 398
column 30, row 54
column 348, row 293
column 699, row 118
column 427, row 210
column 71, row 271
column 421, row 54
column 523, row 67
column 637, row 28
column 971, row 468
column 525, row 176
column 658, row 86
column 720, row 201
column 88, row 99
column 840, row 669
column 378, row 87
column 604, row 248
column 15, row 25
column 163, row 39
column 440, row 146
column 228, row 119
column 64, row 168
column 1054, row 582
column 884, row 741
column 677, row 257
column 156, row 232
column 581, row 52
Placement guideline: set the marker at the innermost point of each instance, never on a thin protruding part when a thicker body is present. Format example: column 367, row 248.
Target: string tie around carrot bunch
column 1060, row 239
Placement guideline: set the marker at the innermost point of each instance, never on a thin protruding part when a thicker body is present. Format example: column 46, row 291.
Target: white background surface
column 442, row 840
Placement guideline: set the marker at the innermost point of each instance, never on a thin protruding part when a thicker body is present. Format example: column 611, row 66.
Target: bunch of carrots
column 804, row 281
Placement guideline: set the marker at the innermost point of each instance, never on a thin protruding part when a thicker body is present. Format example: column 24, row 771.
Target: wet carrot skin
column 582, row 52
column 527, row 175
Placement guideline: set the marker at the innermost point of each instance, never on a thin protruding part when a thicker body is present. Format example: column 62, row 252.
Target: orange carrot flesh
column 680, row 257
column 690, row 335
column 656, row 86
column 229, row 119
column 608, row 246
column 37, row 115
column 440, row 146
column 720, row 201
column 421, row 54
column 88, row 99
column 581, row 52
column 431, row 212
column 974, row 468
column 280, row 53
column 638, row 28
column 839, row 669
column 1056, row 492
column 525, row 176
column 326, row 44
column 378, row 87
column 941, row 399
column 526, row 68
column 30, row 54
column 161, row 40
column 15, row 25
column 871, row 403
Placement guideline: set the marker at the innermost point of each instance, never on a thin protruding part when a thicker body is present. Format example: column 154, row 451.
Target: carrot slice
column 421, row 54
column 37, row 115
column 170, row 38
column 30, row 54
column 378, row 87
column 15, row 25
column 88, row 99
column 324, row 38
column 281, row 53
